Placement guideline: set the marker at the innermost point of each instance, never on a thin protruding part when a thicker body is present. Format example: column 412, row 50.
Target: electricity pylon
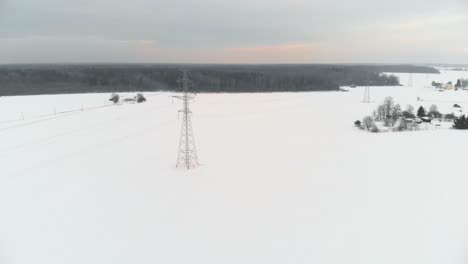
column 187, row 156
column 366, row 98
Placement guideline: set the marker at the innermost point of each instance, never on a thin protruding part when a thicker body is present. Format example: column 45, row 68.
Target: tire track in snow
column 134, row 134
column 50, row 139
column 89, row 149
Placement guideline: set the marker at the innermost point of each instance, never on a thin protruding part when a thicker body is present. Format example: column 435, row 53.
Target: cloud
column 147, row 51
column 288, row 48
column 430, row 22
column 76, row 49
column 294, row 53
column 2, row 9
column 234, row 31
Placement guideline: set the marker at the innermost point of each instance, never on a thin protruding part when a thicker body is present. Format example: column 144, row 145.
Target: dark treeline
column 58, row 79
column 399, row 68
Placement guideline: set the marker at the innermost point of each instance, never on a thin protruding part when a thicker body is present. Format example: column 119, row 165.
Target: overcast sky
column 234, row 31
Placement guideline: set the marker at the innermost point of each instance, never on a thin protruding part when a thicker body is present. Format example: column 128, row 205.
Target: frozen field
column 285, row 178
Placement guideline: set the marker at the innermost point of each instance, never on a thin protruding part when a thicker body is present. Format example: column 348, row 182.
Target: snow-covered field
column 285, row 178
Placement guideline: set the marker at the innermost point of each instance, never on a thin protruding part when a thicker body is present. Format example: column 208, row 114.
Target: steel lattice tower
column 366, row 98
column 187, row 156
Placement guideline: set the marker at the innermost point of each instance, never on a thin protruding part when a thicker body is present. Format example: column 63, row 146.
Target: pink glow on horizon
column 146, row 42
column 302, row 52
column 146, row 50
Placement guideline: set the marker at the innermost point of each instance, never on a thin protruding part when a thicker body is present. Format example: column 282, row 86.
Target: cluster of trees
column 433, row 112
column 403, row 68
column 461, row 83
column 139, row 98
column 393, row 116
column 368, row 123
column 389, row 112
column 396, row 119
column 53, row 79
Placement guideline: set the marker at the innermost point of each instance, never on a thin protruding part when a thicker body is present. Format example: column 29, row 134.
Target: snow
column 285, row 178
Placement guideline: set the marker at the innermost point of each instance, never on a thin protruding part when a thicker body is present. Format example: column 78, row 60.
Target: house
column 426, row 119
column 449, row 86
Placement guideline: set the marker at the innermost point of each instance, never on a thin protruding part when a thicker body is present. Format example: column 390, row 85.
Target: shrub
column 460, row 123
column 450, row 116
column 357, row 123
column 140, row 98
column 389, row 121
column 402, row 124
column 407, row 114
column 114, row 98
column 409, row 109
column 368, row 122
column 434, row 114
column 413, row 126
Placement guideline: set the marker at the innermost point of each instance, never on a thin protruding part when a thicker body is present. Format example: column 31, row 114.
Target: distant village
column 391, row 117
column 460, row 84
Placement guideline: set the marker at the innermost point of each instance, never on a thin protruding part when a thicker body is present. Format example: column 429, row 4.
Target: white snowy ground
column 285, row 178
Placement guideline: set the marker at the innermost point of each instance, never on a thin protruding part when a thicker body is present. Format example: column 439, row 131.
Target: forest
column 91, row 78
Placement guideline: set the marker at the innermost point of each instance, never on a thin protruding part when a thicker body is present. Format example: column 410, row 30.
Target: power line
column 187, row 155
column 48, row 117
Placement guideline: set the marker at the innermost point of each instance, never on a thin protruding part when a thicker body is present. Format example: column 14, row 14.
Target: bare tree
column 434, row 112
column 368, row 122
column 381, row 113
column 410, row 109
column 388, row 105
column 395, row 112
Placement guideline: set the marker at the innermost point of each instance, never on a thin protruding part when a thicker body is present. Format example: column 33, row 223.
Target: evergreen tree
column 460, row 123
column 421, row 112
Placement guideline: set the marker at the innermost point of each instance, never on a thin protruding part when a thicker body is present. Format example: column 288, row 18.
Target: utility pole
column 187, row 156
column 366, row 98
